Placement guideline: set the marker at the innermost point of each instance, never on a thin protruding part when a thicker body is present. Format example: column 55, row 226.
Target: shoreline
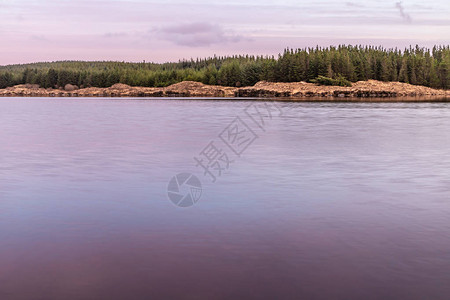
column 361, row 91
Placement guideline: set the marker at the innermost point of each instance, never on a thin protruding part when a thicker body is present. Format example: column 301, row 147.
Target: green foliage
column 339, row 81
column 6, row 79
column 332, row 65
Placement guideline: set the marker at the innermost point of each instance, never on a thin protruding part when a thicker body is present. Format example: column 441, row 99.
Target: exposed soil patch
column 262, row 89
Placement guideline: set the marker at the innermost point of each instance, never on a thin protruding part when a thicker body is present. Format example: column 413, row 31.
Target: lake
column 291, row 200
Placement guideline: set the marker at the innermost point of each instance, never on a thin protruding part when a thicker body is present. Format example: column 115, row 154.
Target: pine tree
column 403, row 74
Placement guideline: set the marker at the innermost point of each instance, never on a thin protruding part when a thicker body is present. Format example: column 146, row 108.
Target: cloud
column 39, row 38
column 402, row 12
column 196, row 34
column 115, row 34
column 353, row 4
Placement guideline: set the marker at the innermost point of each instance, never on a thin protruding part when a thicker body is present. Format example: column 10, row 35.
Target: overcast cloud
column 32, row 30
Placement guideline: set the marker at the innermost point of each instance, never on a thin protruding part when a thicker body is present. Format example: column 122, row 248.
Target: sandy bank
column 361, row 89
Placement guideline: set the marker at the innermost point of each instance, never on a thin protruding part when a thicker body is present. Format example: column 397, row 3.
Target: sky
column 160, row 31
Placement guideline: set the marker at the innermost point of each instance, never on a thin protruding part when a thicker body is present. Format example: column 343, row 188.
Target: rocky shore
column 263, row 89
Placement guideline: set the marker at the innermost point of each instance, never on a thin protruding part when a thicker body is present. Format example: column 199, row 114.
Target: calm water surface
column 331, row 201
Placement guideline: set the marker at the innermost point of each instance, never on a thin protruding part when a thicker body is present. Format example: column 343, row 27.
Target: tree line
column 415, row 65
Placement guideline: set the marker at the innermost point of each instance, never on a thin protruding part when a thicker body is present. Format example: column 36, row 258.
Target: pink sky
column 159, row 31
